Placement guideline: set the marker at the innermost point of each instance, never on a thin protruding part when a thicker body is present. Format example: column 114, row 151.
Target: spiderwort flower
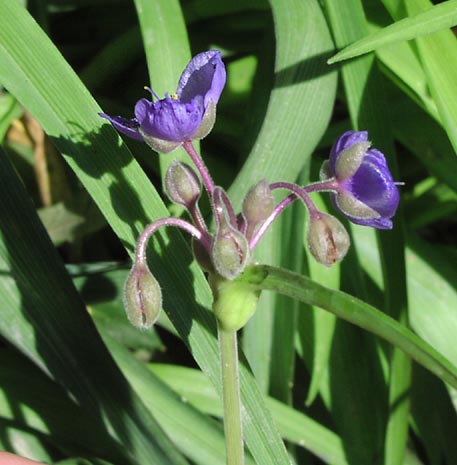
column 366, row 192
column 186, row 115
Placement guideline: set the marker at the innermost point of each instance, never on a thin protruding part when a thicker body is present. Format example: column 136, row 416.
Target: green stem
column 231, row 393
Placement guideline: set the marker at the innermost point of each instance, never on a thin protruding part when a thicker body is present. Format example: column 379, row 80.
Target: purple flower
column 188, row 114
column 366, row 192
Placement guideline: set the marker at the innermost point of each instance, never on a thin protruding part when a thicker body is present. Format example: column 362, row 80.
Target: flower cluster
column 356, row 175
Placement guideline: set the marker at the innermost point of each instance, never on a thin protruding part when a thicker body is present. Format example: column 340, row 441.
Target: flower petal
column 170, row 119
column 374, row 186
column 205, row 75
column 129, row 127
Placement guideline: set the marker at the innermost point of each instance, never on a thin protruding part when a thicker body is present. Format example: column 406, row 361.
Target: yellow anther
column 174, row 96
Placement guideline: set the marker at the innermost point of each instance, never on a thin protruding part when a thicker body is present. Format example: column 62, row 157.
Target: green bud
column 328, row 240
column 142, row 297
column 259, row 203
column 182, row 184
column 234, row 302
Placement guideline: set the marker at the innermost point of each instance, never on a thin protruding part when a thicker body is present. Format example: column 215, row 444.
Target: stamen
column 153, row 93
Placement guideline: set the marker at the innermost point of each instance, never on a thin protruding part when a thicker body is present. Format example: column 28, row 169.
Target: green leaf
column 295, row 426
column 71, row 220
column 46, row 409
column 438, row 54
column 52, row 327
column 434, row 417
column 323, row 323
column 282, row 356
column 349, row 308
column 435, row 18
column 302, row 81
column 9, row 111
column 199, row 437
column 433, row 296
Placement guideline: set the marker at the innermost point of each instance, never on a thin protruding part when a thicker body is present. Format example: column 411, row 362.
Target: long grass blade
column 434, row 18
column 355, row 311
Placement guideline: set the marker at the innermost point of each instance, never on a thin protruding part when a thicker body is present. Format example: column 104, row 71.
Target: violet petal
column 129, row 127
column 205, row 75
column 373, row 184
column 170, row 119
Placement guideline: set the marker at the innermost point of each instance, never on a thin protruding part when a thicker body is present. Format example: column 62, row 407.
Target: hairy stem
column 200, row 165
column 153, row 227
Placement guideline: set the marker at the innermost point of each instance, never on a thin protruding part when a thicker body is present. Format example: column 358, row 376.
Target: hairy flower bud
column 259, row 203
column 142, row 297
column 328, row 240
column 182, row 184
column 229, row 252
column 230, row 248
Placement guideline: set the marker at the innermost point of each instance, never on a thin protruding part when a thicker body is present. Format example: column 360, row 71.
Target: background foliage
column 78, row 385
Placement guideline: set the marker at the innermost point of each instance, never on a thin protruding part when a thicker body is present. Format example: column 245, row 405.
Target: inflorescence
column 356, row 175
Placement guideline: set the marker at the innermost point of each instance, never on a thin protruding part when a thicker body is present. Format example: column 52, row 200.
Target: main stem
column 231, row 395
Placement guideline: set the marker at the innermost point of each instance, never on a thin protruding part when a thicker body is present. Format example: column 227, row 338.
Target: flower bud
column 229, row 252
column 182, row 184
column 142, row 297
column 234, row 302
column 328, row 240
column 230, row 248
column 259, row 203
